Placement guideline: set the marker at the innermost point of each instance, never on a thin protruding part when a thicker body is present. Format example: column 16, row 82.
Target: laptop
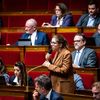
column 24, row 42
column 2, row 80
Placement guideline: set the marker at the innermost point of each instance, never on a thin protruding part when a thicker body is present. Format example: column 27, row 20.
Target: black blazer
column 54, row 96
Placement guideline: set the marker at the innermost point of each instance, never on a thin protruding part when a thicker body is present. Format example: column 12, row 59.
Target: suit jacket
column 1, row 22
column 87, row 58
column 84, row 20
column 41, row 38
column 96, row 37
column 54, row 96
column 67, row 20
column 62, row 80
column 30, row 81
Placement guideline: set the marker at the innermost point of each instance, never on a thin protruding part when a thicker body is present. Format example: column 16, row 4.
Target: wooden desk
column 16, row 91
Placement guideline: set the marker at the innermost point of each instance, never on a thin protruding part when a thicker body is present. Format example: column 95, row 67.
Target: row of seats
column 11, row 35
column 43, row 5
column 35, row 56
column 31, row 55
column 18, row 19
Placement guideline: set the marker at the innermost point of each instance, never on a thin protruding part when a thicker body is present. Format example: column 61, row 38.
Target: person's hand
column 35, row 95
column 46, row 64
column 75, row 66
column 47, row 56
column 46, row 25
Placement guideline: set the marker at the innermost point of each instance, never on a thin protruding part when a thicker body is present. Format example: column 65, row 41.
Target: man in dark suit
column 31, row 32
column 43, row 86
column 92, row 18
column 83, row 57
column 96, row 36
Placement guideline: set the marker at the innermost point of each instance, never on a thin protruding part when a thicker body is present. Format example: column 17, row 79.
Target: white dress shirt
column 33, row 37
column 77, row 57
column 49, row 94
column 91, row 21
column 59, row 22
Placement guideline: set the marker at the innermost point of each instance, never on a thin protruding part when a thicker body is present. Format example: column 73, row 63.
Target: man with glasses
column 96, row 90
column 83, row 57
column 31, row 32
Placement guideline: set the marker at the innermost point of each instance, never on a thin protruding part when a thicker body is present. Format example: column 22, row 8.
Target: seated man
column 92, row 18
column 96, row 90
column 31, row 32
column 83, row 57
column 43, row 88
column 96, row 36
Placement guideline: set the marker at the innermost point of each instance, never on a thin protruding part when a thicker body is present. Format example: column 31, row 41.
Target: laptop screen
column 24, row 42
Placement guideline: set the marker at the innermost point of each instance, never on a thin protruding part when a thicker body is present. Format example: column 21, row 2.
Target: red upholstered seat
column 10, row 73
column 10, row 57
column 18, row 20
column 88, row 79
column 3, row 39
column 12, row 38
column 35, row 55
column 11, row 98
column 35, row 74
column 34, row 58
column 11, row 54
column 69, row 37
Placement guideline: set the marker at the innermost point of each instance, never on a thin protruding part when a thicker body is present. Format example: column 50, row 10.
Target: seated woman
column 62, row 17
column 3, row 71
column 20, row 77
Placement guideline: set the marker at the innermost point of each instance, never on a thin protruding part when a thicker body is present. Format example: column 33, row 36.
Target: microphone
column 50, row 51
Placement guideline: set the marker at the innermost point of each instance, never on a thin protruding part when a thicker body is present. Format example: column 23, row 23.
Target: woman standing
column 61, row 70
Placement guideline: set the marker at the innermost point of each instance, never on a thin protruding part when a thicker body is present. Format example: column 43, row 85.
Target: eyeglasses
column 53, row 42
column 57, row 10
column 96, row 93
column 77, row 40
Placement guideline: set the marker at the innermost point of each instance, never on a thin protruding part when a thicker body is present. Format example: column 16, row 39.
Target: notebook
column 2, row 80
column 24, row 42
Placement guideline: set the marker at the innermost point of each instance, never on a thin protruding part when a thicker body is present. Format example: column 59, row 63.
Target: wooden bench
column 16, row 93
column 69, row 96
